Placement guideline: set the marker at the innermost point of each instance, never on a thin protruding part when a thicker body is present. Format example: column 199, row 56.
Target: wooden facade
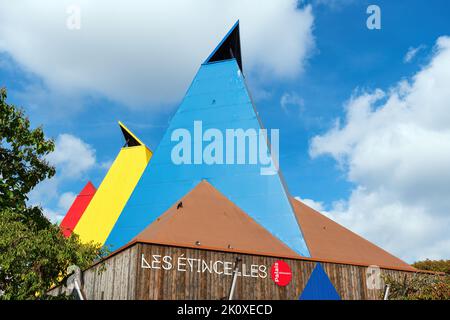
column 145, row 271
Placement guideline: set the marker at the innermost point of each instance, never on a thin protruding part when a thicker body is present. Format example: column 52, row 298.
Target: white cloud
column 72, row 158
column 56, row 214
column 291, row 100
column 66, row 200
column 316, row 205
column 412, row 52
column 105, row 165
column 146, row 52
column 44, row 192
column 395, row 146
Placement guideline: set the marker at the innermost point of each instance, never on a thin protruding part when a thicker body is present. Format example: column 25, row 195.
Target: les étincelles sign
column 280, row 272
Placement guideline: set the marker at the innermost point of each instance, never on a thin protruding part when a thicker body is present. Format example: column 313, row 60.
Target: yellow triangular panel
column 114, row 191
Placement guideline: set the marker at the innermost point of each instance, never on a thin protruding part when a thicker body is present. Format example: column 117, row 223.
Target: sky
column 363, row 113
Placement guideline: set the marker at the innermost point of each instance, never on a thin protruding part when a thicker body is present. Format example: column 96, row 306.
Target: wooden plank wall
column 122, row 277
column 113, row 279
column 349, row 280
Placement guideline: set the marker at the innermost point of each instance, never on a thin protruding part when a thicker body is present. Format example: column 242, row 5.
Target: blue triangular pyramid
column 217, row 97
column 319, row 286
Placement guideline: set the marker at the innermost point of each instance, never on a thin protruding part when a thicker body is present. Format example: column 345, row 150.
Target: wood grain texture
column 121, row 276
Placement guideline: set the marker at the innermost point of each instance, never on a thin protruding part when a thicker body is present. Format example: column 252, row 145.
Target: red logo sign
column 281, row 273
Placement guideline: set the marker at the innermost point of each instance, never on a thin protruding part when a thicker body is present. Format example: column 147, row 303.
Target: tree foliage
column 433, row 265
column 33, row 258
column 22, row 151
column 34, row 254
column 419, row 287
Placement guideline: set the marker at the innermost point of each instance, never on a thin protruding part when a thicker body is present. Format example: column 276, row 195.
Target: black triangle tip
column 228, row 48
column 130, row 139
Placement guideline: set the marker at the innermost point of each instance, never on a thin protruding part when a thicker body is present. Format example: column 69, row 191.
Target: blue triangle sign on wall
column 319, row 286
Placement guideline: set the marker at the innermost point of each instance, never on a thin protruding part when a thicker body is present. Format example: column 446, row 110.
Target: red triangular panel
column 77, row 209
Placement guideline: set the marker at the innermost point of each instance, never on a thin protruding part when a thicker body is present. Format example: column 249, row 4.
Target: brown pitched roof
column 329, row 240
column 207, row 219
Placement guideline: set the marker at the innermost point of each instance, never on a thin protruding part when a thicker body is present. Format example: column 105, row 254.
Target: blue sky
column 302, row 90
column 347, row 56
